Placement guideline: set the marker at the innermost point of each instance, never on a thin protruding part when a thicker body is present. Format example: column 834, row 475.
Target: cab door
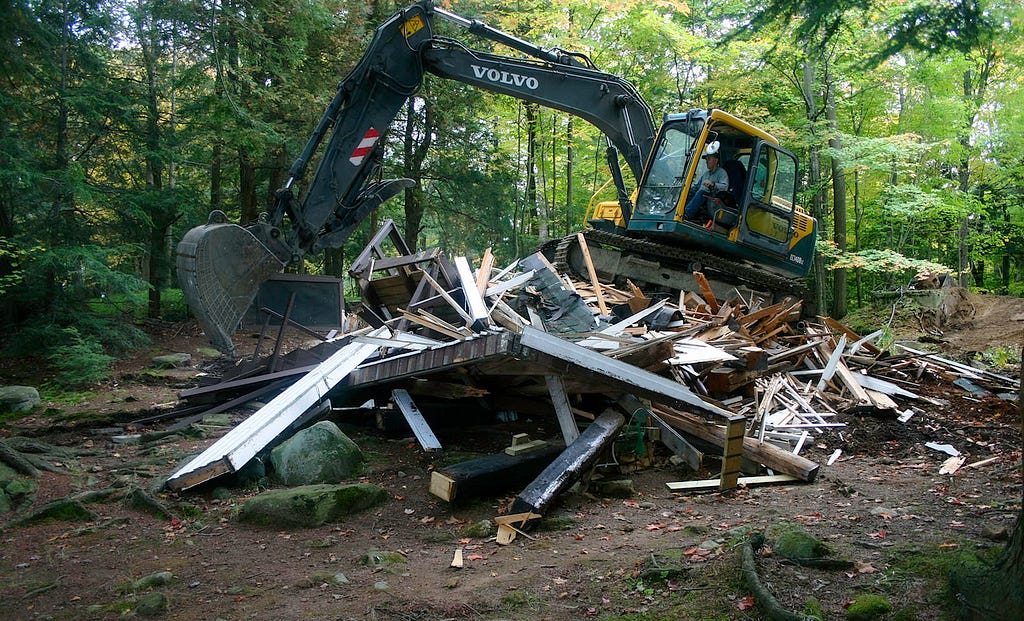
column 769, row 200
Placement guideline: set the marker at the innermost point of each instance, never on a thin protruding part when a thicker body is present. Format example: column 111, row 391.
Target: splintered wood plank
column 474, row 301
column 448, row 298
column 592, row 272
column 710, row 484
column 853, row 336
column 441, row 328
column 705, row 289
column 483, row 275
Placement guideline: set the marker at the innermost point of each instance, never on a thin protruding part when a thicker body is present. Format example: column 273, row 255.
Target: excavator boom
column 221, row 265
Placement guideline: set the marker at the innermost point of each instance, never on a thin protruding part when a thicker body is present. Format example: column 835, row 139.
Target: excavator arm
column 221, row 265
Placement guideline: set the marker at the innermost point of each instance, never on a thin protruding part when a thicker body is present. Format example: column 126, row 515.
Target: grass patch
column 56, row 393
column 519, row 600
column 922, row 573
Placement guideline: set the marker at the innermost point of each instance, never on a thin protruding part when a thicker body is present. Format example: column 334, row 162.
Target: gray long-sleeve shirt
column 720, row 178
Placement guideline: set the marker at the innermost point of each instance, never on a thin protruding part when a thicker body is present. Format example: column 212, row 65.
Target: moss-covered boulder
column 792, row 542
column 18, row 398
column 19, row 489
column 152, row 604
column 317, row 454
column 179, row 360
column 309, row 506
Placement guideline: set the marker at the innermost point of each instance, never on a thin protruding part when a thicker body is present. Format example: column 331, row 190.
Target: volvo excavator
column 756, row 238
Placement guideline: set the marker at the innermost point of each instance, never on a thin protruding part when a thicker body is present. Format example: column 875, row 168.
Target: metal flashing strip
column 238, row 446
column 648, row 384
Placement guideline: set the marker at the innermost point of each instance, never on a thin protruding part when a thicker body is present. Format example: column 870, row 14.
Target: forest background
column 126, row 122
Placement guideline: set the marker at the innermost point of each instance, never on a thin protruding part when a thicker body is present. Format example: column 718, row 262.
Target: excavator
column 756, row 241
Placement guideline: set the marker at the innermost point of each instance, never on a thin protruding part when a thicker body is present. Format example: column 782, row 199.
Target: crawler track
column 732, row 271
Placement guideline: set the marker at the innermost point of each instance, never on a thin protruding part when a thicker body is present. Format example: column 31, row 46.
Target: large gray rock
column 18, row 398
column 317, row 454
column 310, row 505
column 172, row 361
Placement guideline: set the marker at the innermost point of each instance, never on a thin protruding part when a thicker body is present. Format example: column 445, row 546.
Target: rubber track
column 737, row 272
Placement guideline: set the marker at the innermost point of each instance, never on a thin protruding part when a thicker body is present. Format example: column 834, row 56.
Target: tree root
column 762, row 595
column 16, row 460
column 138, row 498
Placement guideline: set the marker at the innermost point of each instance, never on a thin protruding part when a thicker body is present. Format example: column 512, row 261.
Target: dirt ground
column 882, row 506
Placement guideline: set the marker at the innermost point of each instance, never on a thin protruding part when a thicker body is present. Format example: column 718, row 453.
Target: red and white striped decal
column 369, row 139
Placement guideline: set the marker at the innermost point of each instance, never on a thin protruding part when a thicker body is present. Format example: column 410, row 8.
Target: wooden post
column 732, row 452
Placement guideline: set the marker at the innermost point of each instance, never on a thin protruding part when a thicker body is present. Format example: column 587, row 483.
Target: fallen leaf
column 655, row 526
column 745, row 603
column 864, row 568
column 475, row 557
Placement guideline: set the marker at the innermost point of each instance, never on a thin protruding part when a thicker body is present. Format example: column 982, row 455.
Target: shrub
column 79, row 360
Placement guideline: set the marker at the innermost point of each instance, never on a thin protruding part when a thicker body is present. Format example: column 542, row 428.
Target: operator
column 700, row 206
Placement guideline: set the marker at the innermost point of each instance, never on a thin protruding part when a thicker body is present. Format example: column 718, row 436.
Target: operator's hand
column 709, row 184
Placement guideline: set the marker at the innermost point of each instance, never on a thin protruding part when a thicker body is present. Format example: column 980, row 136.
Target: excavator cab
column 755, row 219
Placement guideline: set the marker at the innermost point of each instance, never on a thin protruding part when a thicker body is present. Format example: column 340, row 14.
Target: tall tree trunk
column 839, row 206
column 531, row 159
column 159, row 218
column 1005, row 264
column 809, row 92
column 247, row 202
column 216, row 168
column 569, row 185
column 415, row 154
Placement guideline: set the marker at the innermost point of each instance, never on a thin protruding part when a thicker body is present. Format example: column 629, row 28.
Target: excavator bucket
column 220, row 269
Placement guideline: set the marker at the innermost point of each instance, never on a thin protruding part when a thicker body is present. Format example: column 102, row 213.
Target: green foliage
column 1002, row 356
column 876, row 261
column 79, row 360
column 13, row 256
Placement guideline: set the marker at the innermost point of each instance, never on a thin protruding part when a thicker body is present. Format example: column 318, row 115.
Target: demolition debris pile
column 745, row 381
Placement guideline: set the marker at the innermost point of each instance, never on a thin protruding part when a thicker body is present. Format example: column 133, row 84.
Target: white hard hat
column 712, row 149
